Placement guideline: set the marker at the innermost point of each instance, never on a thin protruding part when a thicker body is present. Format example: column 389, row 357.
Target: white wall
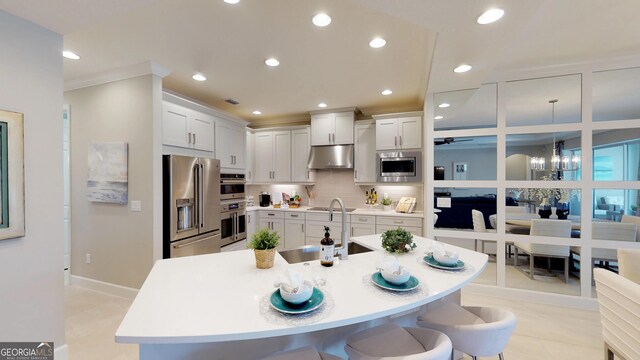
column 120, row 241
column 31, row 285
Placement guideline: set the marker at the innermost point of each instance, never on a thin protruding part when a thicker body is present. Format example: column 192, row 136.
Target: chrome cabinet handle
column 249, row 173
column 308, row 176
column 302, row 227
column 398, row 222
column 194, row 139
column 356, row 174
column 189, row 141
column 362, row 219
column 294, row 215
column 395, row 141
column 329, row 137
column 271, row 214
column 334, row 138
column 400, row 140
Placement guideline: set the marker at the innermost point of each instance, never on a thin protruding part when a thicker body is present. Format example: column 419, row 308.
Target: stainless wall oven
column 233, row 221
column 399, row 166
column 232, row 186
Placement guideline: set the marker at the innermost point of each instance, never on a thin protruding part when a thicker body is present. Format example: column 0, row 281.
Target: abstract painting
column 107, row 173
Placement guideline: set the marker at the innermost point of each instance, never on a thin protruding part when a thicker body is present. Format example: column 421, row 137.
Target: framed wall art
column 12, row 224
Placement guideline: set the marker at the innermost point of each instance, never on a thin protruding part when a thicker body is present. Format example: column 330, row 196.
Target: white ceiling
column 334, row 64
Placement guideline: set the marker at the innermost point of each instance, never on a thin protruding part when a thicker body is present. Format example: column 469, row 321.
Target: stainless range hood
column 331, row 157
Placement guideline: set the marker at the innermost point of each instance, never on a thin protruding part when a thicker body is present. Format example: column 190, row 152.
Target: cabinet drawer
column 399, row 221
column 291, row 215
column 271, row 214
column 415, row 230
column 324, row 216
column 363, row 219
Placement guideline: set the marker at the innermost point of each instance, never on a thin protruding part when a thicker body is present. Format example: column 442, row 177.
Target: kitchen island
column 212, row 306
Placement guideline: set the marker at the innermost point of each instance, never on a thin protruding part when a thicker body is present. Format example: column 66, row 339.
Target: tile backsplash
column 339, row 183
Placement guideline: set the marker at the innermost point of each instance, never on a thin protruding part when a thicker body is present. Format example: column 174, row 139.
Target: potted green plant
column 387, row 203
column 397, row 241
column 264, row 244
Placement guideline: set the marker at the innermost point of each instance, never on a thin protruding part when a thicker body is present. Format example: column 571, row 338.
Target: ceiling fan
column 449, row 140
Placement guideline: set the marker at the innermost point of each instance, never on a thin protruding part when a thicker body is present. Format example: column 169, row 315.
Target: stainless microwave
column 399, row 166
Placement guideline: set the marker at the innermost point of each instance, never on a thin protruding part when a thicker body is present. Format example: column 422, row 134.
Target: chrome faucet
column 342, row 251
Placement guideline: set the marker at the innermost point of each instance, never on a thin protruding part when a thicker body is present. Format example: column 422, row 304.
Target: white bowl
column 446, row 258
column 394, row 278
column 302, row 294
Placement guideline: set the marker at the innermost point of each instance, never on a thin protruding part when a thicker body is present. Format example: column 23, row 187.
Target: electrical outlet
column 87, row 258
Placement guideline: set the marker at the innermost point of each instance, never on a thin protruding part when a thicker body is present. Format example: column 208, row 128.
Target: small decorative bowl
column 446, row 258
column 395, row 278
column 302, row 293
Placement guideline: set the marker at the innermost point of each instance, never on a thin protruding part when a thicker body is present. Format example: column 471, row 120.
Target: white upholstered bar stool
column 619, row 301
column 476, row 331
column 392, row 342
column 629, row 264
column 479, row 226
column 304, row 353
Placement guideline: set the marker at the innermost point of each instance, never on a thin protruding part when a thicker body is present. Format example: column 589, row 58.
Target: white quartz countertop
column 216, row 297
column 377, row 211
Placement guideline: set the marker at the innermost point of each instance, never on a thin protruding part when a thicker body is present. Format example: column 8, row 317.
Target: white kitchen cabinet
column 274, row 221
column 187, row 128
column 316, row 221
column 300, row 149
column 272, row 156
column 365, row 152
column 332, row 128
column 362, row 225
column 230, row 144
column 250, row 156
column 252, row 223
column 294, row 229
column 399, row 133
column 413, row 225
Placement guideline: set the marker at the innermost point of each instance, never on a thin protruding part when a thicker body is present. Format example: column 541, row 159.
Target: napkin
column 437, row 250
column 389, row 264
column 290, row 280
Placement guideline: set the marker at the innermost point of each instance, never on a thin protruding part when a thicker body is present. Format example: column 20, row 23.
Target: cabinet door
column 362, row 229
column 386, row 134
column 264, row 157
column 300, row 148
column 223, row 143
column 201, row 128
column 365, row 153
column 252, row 224
column 410, row 132
column 294, row 234
column 343, row 128
column 175, row 125
column 277, row 225
column 321, row 129
column 250, row 154
column 281, row 156
column 315, row 233
column 239, row 148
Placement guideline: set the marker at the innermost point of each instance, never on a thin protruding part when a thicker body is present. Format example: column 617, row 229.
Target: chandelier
column 558, row 162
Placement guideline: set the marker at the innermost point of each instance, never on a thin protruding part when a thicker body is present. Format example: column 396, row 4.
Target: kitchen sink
column 312, row 252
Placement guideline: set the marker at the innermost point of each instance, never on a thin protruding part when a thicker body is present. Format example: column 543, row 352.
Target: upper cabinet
column 365, row 152
column 186, row 128
column 272, row 156
column 250, row 156
column 399, row 131
column 300, row 148
column 332, row 128
column 230, row 144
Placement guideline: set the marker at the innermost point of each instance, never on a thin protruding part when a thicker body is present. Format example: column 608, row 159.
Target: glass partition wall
column 551, row 163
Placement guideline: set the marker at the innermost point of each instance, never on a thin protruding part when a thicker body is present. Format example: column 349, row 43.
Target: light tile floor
column 543, row 332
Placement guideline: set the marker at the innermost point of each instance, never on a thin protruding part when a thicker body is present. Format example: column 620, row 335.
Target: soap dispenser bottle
column 327, row 249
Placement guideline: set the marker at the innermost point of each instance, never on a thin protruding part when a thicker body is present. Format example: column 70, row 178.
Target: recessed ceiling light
column 257, row 112
column 386, row 92
column 322, row 105
column 272, row 62
column 490, row 16
column 462, row 68
column 232, row 2
column 438, row 117
column 199, row 77
column 70, row 55
column 444, row 105
column 321, row 20
column 377, row 43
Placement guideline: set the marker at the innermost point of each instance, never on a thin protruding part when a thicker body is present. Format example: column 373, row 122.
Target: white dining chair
column 629, row 264
column 545, row 227
column 473, row 330
column 392, row 342
column 619, row 303
column 628, row 219
column 607, row 231
column 304, row 353
column 479, row 226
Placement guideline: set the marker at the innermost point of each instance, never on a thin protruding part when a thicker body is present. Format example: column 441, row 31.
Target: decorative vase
column 264, row 258
column 544, row 210
column 562, row 210
column 387, row 207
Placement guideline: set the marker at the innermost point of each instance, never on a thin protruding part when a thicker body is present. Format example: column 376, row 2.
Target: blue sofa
column 458, row 216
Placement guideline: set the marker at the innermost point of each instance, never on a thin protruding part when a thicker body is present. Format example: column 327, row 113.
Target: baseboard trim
column 105, row 287
column 61, row 352
column 575, row 302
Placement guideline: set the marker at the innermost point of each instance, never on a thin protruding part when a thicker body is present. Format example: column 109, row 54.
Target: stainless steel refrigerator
column 191, row 209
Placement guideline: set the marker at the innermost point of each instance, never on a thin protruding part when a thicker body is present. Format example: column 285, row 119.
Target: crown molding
column 122, row 73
